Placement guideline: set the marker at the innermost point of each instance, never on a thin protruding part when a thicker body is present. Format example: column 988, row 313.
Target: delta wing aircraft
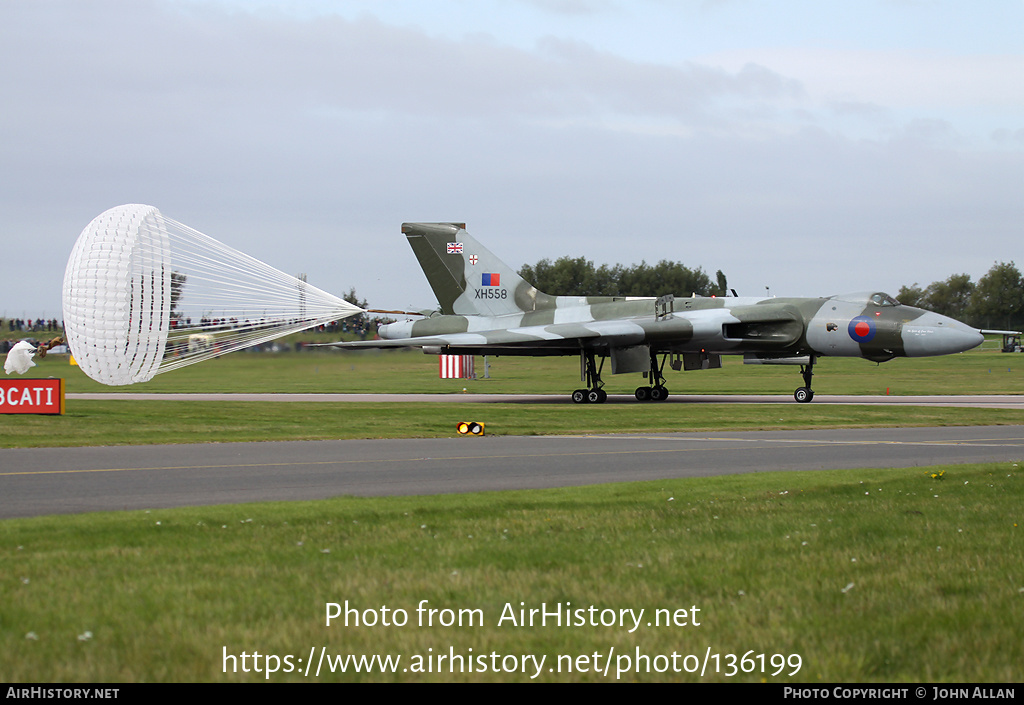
column 488, row 309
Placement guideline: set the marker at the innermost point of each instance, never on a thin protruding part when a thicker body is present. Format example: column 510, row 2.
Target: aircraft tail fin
column 466, row 277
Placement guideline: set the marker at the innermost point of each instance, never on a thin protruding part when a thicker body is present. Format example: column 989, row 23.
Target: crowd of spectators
column 24, row 329
column 38, row 325
column 361, row 326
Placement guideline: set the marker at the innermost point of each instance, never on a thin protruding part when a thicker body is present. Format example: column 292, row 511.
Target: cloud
column 306, row 142
column 571, row 7
column 145, row 64
column 895, row 78
column 1005, row 136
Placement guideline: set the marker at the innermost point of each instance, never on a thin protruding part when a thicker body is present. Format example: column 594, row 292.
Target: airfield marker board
column 456, row 367
column 32, row 396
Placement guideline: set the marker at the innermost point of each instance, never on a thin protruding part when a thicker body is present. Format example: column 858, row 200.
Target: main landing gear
column 593, row 394
column 658, row 392
column 804, row 394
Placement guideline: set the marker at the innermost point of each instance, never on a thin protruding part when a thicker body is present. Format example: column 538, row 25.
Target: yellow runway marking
column 447, row 458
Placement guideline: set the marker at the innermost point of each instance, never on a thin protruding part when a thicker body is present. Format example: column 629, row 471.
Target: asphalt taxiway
column 67, row 480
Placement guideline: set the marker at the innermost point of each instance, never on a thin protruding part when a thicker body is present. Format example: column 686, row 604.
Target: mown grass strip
column 868, row 575
column 975, row 372
column 90, row 423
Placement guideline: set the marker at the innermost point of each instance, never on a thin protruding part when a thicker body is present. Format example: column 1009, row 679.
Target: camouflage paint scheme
column 488, row 309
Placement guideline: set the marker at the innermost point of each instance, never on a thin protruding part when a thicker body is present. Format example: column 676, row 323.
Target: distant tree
column 998, row 299
column 912, row 295
column 359, row 320
column 529, row 272
column 665, row 278
column 569, row 276
column 177, row 288
column 353, row 299
column 951, row 297
column 723, row 285
column 606, row 280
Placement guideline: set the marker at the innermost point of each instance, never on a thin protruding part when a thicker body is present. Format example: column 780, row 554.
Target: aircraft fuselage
column 872, row 326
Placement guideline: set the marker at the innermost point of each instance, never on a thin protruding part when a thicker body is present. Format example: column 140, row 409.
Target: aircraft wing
column 570, row 337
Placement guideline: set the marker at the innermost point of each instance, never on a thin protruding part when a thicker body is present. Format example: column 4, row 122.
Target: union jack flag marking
column 455, row 248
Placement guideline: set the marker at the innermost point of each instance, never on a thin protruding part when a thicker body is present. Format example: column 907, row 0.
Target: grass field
column 91, row 423
column 882, row 575
column 133, row 422
column 851, row 576
column 322, row 370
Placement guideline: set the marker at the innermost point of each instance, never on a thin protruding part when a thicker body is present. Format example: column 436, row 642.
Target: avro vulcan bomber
column 488, row 309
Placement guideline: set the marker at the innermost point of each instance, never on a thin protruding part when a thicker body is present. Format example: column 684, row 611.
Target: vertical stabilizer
column 466, row 278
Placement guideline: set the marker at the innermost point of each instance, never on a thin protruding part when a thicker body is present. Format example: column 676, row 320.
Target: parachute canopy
column 144, row 294
column 19, row 358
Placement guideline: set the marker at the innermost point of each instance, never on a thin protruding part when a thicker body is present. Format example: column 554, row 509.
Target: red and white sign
column 456, row 367
column 31, row 396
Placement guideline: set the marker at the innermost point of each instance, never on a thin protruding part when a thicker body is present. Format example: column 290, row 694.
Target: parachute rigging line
column 144, row 294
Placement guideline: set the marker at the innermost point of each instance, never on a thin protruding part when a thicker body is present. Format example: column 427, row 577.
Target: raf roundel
column 862, row 329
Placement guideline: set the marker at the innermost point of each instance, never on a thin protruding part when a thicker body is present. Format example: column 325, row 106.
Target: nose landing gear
column 804, row 394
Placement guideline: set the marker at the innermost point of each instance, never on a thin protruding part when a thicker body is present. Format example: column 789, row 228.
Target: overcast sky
column 812, row 147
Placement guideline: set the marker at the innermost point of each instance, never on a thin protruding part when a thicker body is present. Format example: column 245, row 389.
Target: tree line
column 994, row 301
column 568, row 276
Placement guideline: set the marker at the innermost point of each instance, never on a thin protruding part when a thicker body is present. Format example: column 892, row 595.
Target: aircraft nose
column 933, row 334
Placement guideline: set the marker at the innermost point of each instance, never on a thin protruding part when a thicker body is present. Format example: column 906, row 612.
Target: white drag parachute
column 144, row 294
column 19, row 358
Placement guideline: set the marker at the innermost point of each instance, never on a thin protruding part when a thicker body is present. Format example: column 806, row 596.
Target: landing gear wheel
column 591, row 376
column 803, row 395
column 657, row 391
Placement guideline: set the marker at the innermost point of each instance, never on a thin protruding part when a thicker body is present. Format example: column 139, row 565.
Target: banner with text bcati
column 31, row 396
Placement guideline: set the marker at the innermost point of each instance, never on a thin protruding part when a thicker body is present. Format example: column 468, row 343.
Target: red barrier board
column 31, row 396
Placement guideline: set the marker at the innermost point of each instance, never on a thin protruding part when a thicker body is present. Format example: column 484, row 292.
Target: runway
column 67, row 480
column 990, row 401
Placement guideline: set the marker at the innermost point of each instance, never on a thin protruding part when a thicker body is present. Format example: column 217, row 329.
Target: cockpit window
column 868, row 298
column 882, row 299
